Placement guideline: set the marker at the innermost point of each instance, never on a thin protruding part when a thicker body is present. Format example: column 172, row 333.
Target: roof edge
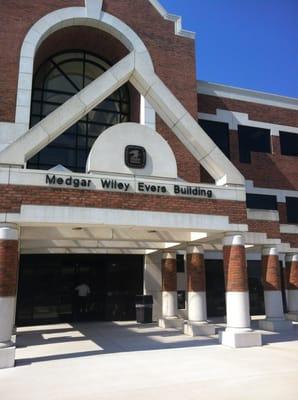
column 179, row 31
column 252, row 96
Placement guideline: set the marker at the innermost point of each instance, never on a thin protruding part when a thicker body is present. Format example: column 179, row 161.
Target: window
column 288, row 143
column 180, row 262
column 292, row 210
column 219, row 133
column 57, row 80
column 261, row 201
column 252, row 139
column 181, row 299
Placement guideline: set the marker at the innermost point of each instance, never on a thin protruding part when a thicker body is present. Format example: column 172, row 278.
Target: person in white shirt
column 83, row 291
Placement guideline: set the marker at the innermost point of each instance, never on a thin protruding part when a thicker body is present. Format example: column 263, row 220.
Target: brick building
column 121, row 171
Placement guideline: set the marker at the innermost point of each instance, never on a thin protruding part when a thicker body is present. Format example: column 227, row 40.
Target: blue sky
column 251, row 44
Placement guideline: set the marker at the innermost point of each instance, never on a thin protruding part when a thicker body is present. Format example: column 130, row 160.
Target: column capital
column 169, row 255
column 9, row 231
column 291, row 257
column 233, row 239
column 195, row 249
column 269, row 251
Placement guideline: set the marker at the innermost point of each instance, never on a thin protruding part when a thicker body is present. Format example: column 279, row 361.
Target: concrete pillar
column 9, row 261
column 169, row 292
column 291, row 285
column 271, row 279
column 238, row 332
column 196, row 285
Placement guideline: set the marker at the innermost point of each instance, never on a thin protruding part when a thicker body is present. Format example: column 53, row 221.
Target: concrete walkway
column 125, row 361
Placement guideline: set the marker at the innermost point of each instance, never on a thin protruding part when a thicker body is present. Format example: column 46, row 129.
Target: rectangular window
column 261, row 201
column 180, row 262
column 252, row 139
column 181, row 299
column 292, row 210
column 288, row 143
column 219, row 133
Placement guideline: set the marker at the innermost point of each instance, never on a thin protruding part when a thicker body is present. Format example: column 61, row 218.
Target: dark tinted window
column 56, row 81
column 288, row 143
column 252, row 139
column 181, row 299
column 180, row 262
column 292, row 210
column 219, row 133
column 261, row 201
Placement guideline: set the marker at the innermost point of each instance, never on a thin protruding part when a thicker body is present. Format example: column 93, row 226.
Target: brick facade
column 12, row 197
column 235, row 269
column 9, row 260
column 169, row 275
column 196, row 279
column 271, row 273
column 291, row 275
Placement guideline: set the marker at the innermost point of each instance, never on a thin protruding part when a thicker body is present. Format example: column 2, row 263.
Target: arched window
column 57, row 80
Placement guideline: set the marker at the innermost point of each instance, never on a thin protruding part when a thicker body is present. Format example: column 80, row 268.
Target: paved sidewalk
column 125, row 361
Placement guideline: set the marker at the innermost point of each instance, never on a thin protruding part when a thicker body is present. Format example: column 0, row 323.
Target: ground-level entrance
column 47, row 287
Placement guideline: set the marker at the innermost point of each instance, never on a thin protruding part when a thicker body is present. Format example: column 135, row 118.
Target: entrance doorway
column 47, row 287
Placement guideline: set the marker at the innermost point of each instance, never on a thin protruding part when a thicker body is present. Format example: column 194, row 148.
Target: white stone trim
column 197, row 306
column 27, row 177
column 179, row 31
column 237, row 308
column 198, row 249
column 279, row 193
column 169, row 255
column 93, row 8
column 230, row 92
column 8, row 232
column 269, row 251
column 134, row 68
column 287, row 228
column 263, row 215
column 234, row 118
column 50, row 23
column 77, row 216
column 233, row 240
column 291, row 257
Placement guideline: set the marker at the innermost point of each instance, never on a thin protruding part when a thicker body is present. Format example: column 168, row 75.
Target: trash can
column 144, row 309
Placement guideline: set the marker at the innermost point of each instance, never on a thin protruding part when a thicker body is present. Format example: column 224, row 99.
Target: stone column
column 169, row 292
column 291, row 285
column 196, row 285
column 238, row 332
column 9, row 261
column 271, row 279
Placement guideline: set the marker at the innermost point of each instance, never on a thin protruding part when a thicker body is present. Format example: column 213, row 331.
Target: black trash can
column 144, row 309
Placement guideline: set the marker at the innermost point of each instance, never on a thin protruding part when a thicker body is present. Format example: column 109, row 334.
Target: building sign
column 135, row 157
column 130, row 186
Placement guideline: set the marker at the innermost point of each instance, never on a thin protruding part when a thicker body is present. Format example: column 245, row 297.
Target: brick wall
column 12, row 197
column 173, row 57
column 16, row 18
column 235, row 269
column 255, row 111
column 169, row 275
column 8, row 267
column 283, row 169
column 271, row 273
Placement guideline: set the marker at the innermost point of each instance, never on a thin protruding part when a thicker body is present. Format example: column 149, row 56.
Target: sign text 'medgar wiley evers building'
column 122, row 186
